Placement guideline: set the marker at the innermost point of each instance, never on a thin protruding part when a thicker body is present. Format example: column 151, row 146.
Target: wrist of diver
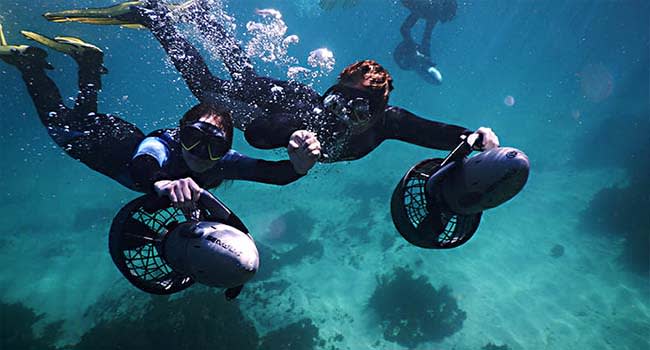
column 297, row 171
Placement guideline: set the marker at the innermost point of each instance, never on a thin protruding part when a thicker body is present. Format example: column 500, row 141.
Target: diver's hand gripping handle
column 464, row 149
column 461, row 151
column 219, row 211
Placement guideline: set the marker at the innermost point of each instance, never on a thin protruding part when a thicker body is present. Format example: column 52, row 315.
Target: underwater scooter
column 439, row 202
column 163, row 250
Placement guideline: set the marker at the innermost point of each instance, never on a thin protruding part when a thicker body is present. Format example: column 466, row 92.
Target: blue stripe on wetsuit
column 232, row 166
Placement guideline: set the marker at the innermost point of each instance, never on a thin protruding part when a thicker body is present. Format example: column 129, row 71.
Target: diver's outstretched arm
column 279, row 172
column 273, row 131
column 403, row 125
column 406, row 27
column 241, row 167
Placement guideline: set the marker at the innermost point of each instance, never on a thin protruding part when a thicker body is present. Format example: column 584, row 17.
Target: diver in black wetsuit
column 408, row 54
column 173, row 162
column 351, row 119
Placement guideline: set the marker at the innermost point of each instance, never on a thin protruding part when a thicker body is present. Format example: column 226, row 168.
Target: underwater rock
column 622, row 213
column 199, row 319
column 16, row 321
column 292, row 227
column 301, row 335
column 310, row 249
column 269, row 262
column 557, row 251
column 412, row 311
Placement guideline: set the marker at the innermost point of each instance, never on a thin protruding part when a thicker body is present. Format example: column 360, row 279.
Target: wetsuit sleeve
column 273, row 131
column 240, row 167
column 403, row 125
column 148, row 163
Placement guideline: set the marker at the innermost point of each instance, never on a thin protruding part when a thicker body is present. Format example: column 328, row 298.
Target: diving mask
column 204, row 140
column 354, row 111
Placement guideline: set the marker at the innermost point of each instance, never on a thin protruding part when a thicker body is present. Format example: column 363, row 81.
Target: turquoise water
column 579, row 73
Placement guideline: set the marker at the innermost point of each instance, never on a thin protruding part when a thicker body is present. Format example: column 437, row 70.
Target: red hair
column 371, row 75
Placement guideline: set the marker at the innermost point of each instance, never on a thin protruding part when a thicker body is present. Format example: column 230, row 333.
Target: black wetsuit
column 159, row 157
column 270, row 110
column 408, row 54
column 103, row 142
column 119, row 150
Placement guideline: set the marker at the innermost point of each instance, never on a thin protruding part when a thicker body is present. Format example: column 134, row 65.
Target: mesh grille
column 144, row 262
column 412, row 198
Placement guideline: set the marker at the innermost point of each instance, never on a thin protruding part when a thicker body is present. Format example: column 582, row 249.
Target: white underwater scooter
column 439, row 202
column 162, row 250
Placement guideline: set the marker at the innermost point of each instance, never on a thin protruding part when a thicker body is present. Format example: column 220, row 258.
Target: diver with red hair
column 351, row 118
column 176, row 162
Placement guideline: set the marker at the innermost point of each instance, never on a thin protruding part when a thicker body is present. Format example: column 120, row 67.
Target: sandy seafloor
column 56, row 213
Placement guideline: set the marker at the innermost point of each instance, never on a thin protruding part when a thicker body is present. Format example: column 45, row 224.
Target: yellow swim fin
column 3, row 40
column 133, row 26
column 69, row 45
column 120, row 14
column 22, row 55
column 81, row 51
